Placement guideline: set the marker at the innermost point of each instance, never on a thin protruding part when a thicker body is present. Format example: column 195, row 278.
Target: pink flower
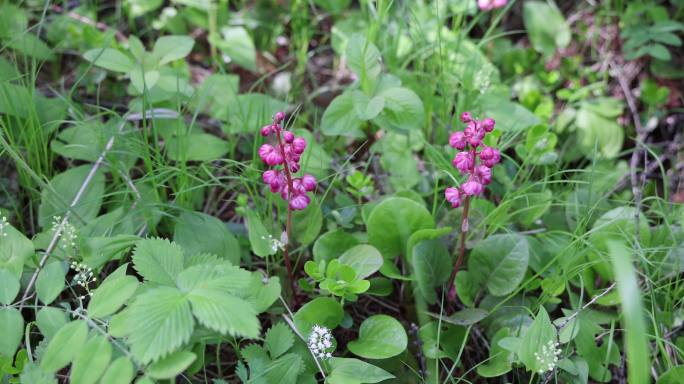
column 457, row 140
column 453, row 195
column 489, row 156
column 278, row 117
column 463, row 161
column 288, row 136
column 474, row 133
column 266, row 130
column 298, row 145
column 472, row 187
column 484, row 174
column 270, row 155
column 309, row 182
column 488, row 124
column 275, row 180
column 294, row 167
column 299, row 202
column 466, row 117
column 488, row 5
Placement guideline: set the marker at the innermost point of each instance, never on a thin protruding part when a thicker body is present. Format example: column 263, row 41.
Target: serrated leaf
column 50, row 282
column 64, row 346
column 279, row 339
column 120, row 371
column 160, row 321
column 221, row 276
column 224, row 313
column 92, row 361
column 11, row 329
column 111, row 295
column 171, row 366
column 158, row 260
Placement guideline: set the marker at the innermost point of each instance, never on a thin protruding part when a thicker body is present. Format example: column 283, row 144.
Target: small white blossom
column 275, row 243
column 548, row 357
column 84, row 276
column 3, row 226
column 66, row 231
column 320, row 342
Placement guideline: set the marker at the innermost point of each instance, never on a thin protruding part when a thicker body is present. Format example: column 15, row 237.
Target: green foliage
column 380, row 337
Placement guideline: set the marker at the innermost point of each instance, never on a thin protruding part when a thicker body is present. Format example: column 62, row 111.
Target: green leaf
column 32, row 46
column 431, row 267
column 466, row 317
column 393, row 221
column 403, row 110
column 111, row 295
column 50, row 282
column 279, row 339
column 499, row 262
column 331, row 244
column 15, row 248
column 355, row 371
column 259, row 238
column 546, row 27
column 596, row 131
column 263, row 293
column 55, row 200
column 340, row 119
column 365, row 107
column 110, row 59
column 50, row 320
column 307, row 223
column 171, row 366
column 237, row 44
column 224, row 313
column 158, row 260
column 380, row 337
column 284, row 370
column 120, row 371
column 171, row 48
column 363, row 57
column 92, row 361
column 672, row 376
column 499, row 358
column 159, row 322
column 539, row 343
column 143, row 79
column 363, row 258
column 12, row 329
column 636, row 343
column 197, row 232
column 509, row 116
column 196, row 147
column 9, row 286
column 33, row 374
column 219, row 276
column 249, row 112
column 323, row 311
column 64, row 346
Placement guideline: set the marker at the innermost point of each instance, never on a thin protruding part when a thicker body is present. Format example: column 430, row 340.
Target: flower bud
column 457, row 140
column 463, row 161
column 453, row 196
column 489, row 156
column 309, row 182
column 484, row 174
column 298, row 145
column 266, row 130
column 288, row 137
column 472, row 187
column 278, row 117
column 270, row 155
column 488, row 124
column 466, row 117
column 299, row 202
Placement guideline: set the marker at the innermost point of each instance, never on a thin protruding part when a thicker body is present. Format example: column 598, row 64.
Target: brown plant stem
column 288, row 225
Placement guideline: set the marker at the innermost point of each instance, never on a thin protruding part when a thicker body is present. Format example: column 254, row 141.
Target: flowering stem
column 288, row 225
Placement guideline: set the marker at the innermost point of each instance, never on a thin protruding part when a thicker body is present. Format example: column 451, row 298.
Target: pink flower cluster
column 469, row 142
column 287, row 153
column 488, row 5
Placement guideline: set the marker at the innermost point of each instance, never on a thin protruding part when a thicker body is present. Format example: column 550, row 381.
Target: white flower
column 3, row 226
column 320, row 342
column 548, row 357
column 66, row 231
column 84, row 276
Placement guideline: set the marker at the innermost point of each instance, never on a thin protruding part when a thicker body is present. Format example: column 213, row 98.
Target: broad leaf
column 120, row 371
column 91, row 361
column 546, row 27
column 56, row 199
column 279, row 339
column 354, row 371
column 340, row 119
column 363, row 57
column 393, row 221
column 323, row 311
column 171, row 366
column 224, row 313
column 64, row 346
column 380, row 337
column 50, row 282
column 9, row 286
column 197, row 232
column 15, row 248
column 363, row 258
column 12, row 330
column 499, row 262
column 111, row 295
column 109, row 58
column 538, row 346
column 171, row 48
column 332, row 244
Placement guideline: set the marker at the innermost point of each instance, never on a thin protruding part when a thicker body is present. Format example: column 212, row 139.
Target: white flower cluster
column 84, row 276
column 320, row 342
column 548, row 357
column 3, row 226
column 275, row 243
column 67, row 232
